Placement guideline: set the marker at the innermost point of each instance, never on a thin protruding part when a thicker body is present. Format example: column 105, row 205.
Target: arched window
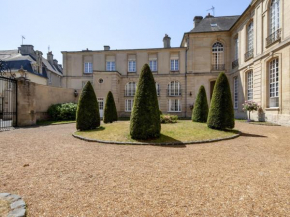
column 130, row 89
column 274, row 16
column 174, row 88
column 218, row 56
column 250, row 85
column 274, row 82
column 157, row 88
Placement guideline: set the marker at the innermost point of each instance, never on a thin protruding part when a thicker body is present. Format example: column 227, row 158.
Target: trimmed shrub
column 88, row 116
column 221, row 112
column 168, row 119
column 200, row 110
column 62, row 112
column 145, row 117
column 110, row 114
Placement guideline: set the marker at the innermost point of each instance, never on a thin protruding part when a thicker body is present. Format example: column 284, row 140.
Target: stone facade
column 254, row 42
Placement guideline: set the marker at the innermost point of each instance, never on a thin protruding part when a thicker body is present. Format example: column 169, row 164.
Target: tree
column 221, row 112
column 145, row 117
column 88, row 116
column 110, row 114
column 200, row 111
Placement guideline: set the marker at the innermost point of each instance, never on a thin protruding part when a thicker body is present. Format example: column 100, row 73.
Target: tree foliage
column 221, row 113
column 145, row 117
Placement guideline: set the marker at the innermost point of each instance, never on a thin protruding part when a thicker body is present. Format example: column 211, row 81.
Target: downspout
column 185, row 76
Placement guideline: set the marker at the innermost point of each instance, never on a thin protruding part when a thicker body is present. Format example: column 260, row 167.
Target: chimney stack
column 166, row 41
column 197, row 20
column 39, row 61
column 27, row 50
column 106, row 47
column 50, row 57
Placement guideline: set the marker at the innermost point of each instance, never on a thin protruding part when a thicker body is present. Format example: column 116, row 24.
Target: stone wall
column 34, row 100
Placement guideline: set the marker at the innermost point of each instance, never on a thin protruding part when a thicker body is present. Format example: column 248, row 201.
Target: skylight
column 213, row 25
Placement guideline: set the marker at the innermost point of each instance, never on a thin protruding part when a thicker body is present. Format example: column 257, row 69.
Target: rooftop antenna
column 48, row 48
column 22, row 38
column 212, row 9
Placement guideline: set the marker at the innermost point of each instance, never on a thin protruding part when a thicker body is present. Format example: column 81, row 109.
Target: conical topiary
column 88, row 116
column 200, row 111
column 145, row 117
column 110, row 114
column 221, row 112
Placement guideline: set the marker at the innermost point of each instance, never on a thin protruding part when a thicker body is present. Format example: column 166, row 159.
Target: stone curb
column 157, row 144
column 17, row 205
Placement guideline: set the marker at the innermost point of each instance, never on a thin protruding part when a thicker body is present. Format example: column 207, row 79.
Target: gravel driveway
column 58, row 175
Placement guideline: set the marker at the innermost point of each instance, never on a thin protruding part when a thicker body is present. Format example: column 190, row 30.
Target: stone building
column 252, row 49
column 25, row 61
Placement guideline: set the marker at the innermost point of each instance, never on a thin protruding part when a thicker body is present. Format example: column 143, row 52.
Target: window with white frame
column 174, row 64
column 236, row 48
column 129, row 105
column 250, row 35
column 218, row 55
column 174, row 88
column 157, row 88
column 274, row 82
column 274, row 16
column 110, row 66
column 131, row 65
column 130, row 89
column 153, row 65
column 236, row 93
column 174, row 105
column 88, row 67
column 250, row 85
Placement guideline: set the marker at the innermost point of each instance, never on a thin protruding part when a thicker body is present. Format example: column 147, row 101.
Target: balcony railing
column 276, row 36
column 129, row 93
column 235, row 63
column 249, row 54
column 132, row 94
column 174, row 92
column 218, row 67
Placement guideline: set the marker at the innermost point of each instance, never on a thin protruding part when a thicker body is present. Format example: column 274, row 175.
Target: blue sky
column 72, row 25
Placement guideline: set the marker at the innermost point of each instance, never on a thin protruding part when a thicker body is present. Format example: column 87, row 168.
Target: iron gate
column 8, row 98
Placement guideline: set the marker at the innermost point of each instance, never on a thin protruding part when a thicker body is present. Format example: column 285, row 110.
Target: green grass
column 182, row 131
column 41, row 123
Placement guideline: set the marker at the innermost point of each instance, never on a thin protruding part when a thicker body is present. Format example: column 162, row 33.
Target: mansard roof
column 215, row 24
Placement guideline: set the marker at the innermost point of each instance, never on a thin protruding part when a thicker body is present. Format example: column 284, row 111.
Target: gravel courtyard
column 58, row 175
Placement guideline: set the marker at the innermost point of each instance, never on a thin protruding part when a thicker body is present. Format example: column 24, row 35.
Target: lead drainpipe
column 185, row 76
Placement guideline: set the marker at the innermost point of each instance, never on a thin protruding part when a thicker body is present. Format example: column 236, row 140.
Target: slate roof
column 222, row 24
column 51, row 67
column 15, row 60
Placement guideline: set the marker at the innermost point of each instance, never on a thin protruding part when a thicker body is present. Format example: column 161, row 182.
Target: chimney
column 50, row 57
column 166, row 41
column 197, row 20
column 27, row 50
column 39, row 61
column 209, row 16
column 106, row 47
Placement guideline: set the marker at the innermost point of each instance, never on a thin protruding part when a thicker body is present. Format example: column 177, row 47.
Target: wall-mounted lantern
column 190, row 94
column 76, row 93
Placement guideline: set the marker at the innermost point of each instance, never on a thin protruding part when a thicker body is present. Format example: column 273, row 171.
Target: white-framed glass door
column 101, row 106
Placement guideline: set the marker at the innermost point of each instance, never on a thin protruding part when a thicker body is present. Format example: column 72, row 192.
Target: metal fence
column 8, row 98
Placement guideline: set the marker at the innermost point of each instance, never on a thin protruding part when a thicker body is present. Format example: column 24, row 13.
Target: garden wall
column 34, row 100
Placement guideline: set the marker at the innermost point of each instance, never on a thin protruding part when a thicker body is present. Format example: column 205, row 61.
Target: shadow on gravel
column 252, row 135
